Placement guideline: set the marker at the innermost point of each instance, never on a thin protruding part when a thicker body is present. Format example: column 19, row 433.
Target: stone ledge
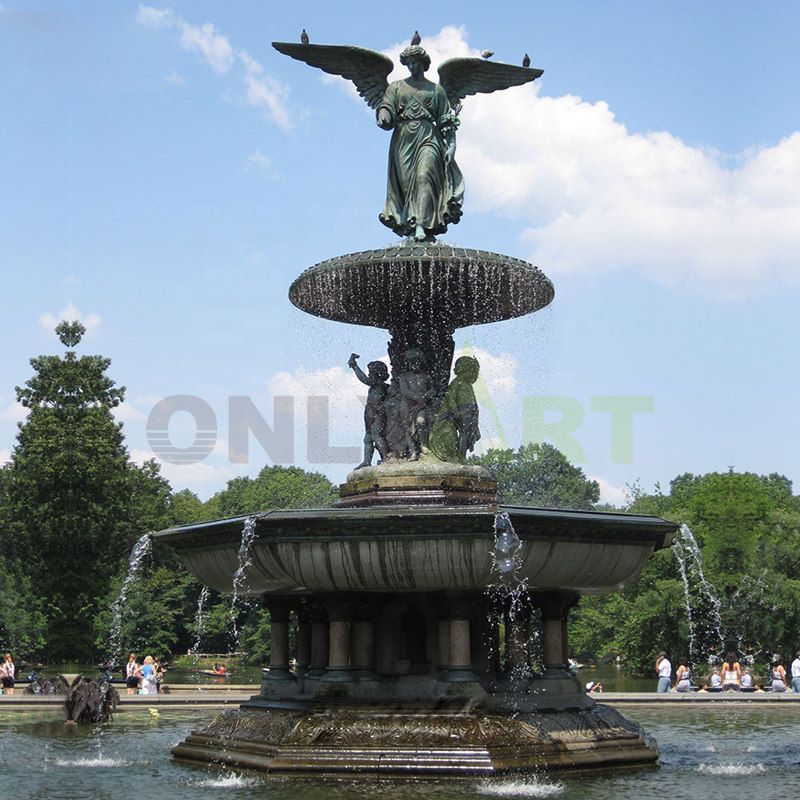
column 391, row 742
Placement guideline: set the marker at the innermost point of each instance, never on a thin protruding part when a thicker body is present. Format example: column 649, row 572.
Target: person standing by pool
column 132, row 674
column 160, row 670
column 683, row 677
column 664, row 670
column 7, row 674
column 148, row 675
column 731, row 673
column 796, row 673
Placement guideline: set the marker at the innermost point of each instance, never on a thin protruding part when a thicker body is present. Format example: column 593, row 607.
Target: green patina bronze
column 456, row 429
column 425, row 188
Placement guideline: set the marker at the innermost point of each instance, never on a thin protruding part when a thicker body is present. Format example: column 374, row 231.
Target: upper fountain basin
column 420, row 549
column 421, row 281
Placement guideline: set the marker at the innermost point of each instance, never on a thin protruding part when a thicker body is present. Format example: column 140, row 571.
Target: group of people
column 144, row 678
column 8, row 674
column 730, row 677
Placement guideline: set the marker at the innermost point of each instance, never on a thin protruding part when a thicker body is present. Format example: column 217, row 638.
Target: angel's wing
column 366, row 68
column 462, row 76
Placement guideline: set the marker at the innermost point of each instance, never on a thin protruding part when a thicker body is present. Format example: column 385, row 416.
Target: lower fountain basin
column 420, row 549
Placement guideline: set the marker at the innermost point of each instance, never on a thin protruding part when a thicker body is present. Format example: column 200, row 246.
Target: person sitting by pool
column 796, row 673
column 778, row 674
column 595, row 686
column 731, row 673
column 748, row 683
column 714, row 682
column 683, row 677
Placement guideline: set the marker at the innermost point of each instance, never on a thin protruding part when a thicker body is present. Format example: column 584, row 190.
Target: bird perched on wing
column 304, row 37
column 526, row 62
column 487, row 53
column 415, row 39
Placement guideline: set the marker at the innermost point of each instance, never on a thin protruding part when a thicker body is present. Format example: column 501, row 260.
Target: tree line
column 72, row 504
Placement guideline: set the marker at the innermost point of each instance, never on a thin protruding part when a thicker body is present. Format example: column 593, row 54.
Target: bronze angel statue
column 425, row 188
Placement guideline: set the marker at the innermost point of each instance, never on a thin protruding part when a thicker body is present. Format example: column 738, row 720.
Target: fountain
column 199, row 621
column 140, row 549
column 398, row 665
column 703, row 613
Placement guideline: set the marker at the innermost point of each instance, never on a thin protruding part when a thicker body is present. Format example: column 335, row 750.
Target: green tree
column 275, row 487
column 539, row 475
column 748, row 530
column 188, row 508
column 75, row 502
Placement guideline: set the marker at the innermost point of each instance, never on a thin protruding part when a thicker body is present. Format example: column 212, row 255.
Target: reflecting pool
column 706, row 753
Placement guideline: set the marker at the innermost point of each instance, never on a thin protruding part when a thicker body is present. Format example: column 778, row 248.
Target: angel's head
column 415, row 53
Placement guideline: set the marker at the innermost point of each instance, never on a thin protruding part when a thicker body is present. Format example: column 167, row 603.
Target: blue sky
column 166, row 174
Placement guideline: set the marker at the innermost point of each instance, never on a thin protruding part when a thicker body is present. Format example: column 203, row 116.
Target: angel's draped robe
column 423, row 187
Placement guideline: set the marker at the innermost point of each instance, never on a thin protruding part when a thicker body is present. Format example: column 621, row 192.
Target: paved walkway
column 187, row 695
column 653, row 698
column 179, row 696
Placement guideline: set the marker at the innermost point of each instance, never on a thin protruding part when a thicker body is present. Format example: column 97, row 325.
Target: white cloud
column 214, row 48
column 174, row 79
column 71, row 314
column 593, row 196
column 5, row 455
column 201, row 474
column 265, row 92
column 154, row 17
column 609, row 493
column 127, row 412
column 13, row 412
column 341, row 386
column 260, row 162
column 260, row 89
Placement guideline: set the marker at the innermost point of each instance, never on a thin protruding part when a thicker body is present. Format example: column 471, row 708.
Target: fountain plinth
column 399, row 663
column 417, row 601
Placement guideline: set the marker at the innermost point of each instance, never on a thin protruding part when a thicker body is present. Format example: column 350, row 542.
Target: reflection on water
column 750, row 752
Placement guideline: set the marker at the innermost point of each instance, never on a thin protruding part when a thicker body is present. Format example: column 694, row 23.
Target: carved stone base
column 418, row 482
column 417, row 742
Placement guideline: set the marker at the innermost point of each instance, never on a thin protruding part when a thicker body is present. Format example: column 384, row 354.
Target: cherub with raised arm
column 375, row 411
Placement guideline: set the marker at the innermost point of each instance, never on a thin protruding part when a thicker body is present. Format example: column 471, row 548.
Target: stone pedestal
column 423, row 482
column 338, row 670
column 319, row 643
column 459, row 655
column 459, row 740
column 363, row 634
column 303, row 659
column 555, row 606
column 279, row 641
